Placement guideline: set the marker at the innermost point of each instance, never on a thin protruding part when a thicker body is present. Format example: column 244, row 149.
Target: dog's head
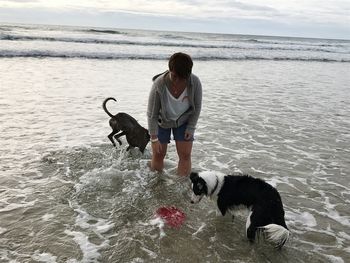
column 144, row 139
column 147, row 136
column 207, row 183
column 199, row 188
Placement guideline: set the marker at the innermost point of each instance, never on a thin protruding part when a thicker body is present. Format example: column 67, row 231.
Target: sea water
column 276, row 108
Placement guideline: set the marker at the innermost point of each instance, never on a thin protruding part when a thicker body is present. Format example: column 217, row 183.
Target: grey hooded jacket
column 156, row 111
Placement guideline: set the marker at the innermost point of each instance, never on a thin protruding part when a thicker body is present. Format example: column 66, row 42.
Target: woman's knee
column 159, row 155
column 184, row 150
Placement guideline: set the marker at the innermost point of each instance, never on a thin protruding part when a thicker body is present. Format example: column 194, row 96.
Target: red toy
column 173, row 216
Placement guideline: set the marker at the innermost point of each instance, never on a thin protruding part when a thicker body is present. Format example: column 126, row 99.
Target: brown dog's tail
column 105, row 108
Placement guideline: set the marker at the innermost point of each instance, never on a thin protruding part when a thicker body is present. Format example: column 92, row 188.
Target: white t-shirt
column 176, row 106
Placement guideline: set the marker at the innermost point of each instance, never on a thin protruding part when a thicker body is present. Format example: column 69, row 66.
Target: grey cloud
column 20, row 1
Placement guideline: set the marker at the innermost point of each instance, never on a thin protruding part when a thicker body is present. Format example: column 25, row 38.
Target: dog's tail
column 276, row 234
column 105, row 108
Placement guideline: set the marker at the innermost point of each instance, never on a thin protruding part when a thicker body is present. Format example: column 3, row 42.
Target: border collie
column 266, row 214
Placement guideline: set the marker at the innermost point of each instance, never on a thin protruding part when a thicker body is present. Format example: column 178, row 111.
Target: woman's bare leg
column 158, row 155
column 184, row 150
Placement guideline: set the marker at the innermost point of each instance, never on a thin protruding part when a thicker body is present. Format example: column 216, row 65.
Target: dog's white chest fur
column 240, row 211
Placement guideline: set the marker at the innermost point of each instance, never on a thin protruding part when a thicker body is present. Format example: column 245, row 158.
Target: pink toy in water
column 173, row 216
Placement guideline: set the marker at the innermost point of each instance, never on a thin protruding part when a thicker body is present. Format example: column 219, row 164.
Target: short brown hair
column 181, row 64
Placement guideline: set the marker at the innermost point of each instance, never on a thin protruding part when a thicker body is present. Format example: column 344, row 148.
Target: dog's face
column 147, row 136
column 199, row 188
column 144, row 140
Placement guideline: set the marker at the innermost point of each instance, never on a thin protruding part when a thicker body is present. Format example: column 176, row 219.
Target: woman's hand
column 156, row 147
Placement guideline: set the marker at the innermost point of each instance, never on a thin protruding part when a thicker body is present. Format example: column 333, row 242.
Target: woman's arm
column 197, row 98
column 153, row 110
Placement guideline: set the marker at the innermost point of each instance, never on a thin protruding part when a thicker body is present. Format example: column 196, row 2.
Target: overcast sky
column 305, row 18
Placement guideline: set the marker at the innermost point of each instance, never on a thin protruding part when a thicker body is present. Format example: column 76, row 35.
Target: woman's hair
column 181, row 64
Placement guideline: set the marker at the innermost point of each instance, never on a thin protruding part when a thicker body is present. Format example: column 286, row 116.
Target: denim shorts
column 178, row 134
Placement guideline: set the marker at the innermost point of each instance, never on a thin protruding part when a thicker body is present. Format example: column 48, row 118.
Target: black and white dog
column 266, row 214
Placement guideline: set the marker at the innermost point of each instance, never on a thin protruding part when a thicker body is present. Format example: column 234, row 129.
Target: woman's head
column 181, row 64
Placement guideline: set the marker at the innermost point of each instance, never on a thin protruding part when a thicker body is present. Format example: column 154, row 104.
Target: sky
column 301, row 18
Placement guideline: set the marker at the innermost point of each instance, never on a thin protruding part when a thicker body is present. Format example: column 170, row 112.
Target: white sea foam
column 14, row 206
column 159, row 222
column 344, row 235
column 219, row 164
column 47, row 217
column 334, row 259
column 68, row 171
column 2, row 230
column 137, row 260
column 304, row 218
column 150, row 253
column 90, row 224
column 333, row 213
column 240, row 154
column 199, row 229
column 44, row 257
column 274, row 181
column 84, row 220
column 257, row 170
column 96, row 177
column 89, row 250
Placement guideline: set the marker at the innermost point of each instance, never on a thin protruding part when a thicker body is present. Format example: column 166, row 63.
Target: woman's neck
column 176, row 87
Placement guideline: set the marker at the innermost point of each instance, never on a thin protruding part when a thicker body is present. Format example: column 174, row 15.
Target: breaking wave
column 127, row 56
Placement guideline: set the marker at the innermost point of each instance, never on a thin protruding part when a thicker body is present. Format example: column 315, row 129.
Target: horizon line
column 174, row 31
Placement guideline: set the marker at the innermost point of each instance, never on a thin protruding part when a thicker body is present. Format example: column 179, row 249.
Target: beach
column 276, row 108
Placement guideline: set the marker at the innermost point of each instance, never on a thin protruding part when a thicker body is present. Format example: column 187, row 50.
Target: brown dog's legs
column 110, row 137
column 119, row 135
column 116, row 136
column 129, row 147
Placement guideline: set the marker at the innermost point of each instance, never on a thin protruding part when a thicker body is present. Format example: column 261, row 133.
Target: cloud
column 17, row 1
column 190, row 8
column 230, row 16
column 316, row 10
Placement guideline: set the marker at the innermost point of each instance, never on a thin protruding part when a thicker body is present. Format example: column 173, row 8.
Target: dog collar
column 216, row 186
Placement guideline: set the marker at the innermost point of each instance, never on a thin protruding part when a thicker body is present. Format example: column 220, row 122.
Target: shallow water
column 66, row 195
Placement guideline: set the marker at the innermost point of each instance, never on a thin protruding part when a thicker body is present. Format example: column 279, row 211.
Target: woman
column 174, row 106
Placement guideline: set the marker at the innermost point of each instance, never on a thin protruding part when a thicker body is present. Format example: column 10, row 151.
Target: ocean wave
column 238, row 45
column 103, row 31
column 177, row 37
column 300, row 42
column 116, row 56
column 100, row 41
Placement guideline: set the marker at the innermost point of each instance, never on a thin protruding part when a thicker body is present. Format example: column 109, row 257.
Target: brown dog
column 135, row 134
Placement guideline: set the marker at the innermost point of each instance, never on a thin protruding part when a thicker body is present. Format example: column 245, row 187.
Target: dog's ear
column 194, row 176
